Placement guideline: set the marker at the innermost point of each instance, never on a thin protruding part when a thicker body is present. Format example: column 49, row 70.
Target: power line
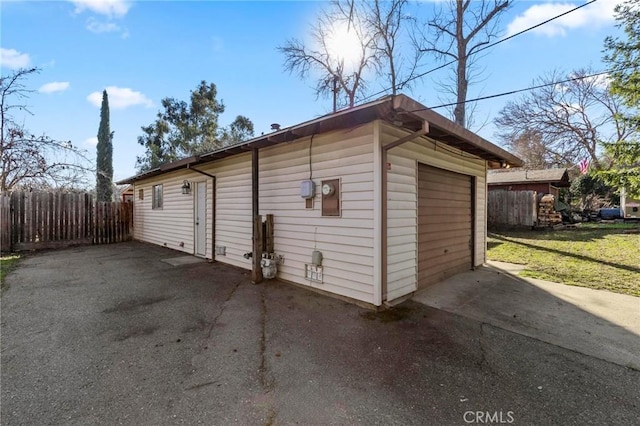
column 511, row 92
column 484, row 48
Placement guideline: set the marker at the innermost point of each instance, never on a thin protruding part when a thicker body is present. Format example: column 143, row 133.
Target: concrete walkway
column 598, row 323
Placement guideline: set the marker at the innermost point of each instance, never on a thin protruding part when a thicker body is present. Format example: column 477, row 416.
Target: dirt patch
column 388, row 315
column 199, row 325
column 146, row 331
column 134, row 304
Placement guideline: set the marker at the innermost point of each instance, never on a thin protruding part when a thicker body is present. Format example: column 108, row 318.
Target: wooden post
column 22, row 216
column 50, row 221
column 39, row 217
column 256, row 271
column 13, row 211
column 5, row 222
column 269, row 236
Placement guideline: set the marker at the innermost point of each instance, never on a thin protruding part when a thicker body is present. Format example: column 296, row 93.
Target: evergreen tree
column 189, row 128
column 623, row 54
column 104, row 159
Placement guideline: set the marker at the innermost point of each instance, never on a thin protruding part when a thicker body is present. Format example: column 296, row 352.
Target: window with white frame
column 157, row 197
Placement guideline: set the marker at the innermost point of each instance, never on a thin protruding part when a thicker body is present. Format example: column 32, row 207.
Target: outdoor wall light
column 186, row 187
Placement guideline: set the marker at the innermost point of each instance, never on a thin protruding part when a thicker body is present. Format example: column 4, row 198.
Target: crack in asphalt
column 201, row 385
column 267, row 385
column 263, row 343
column 223, row 307
column 483, row 354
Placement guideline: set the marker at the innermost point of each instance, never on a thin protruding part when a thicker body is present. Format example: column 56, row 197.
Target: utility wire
column 482, row 49
column 526, row 89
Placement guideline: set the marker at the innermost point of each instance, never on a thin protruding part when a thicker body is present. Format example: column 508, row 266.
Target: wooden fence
column 511, row 209
column 39, row 220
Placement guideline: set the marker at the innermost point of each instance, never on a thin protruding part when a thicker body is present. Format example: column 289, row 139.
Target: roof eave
column 459, row 136
column 393, row 109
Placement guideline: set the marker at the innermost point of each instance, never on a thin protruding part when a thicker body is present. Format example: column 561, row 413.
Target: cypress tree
column 104, row 159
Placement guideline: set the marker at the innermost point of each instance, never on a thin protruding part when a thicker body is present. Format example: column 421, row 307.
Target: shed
column 125, row 193
column 390, row 192
column 544, row 181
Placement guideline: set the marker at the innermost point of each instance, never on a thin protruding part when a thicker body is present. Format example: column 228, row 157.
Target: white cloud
column 602, row 81
column 120, row 98
column 91, row 141
column 54, row 86
column 594, row 15
column 12, row 59
column 98, row 27
column 108, row 8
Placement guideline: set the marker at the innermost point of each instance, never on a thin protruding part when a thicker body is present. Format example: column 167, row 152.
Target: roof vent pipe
column 275, row 127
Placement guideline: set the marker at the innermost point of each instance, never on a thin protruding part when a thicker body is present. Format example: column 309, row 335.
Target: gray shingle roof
column 502, row 176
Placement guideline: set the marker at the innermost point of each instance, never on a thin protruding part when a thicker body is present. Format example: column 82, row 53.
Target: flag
column 584, row 166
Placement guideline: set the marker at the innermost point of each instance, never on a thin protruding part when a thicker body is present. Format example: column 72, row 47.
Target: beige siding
column 402, row 226
column 173, row 223
column 346, row 242
column 233, row 208
column 402, row 198
column 349, row 242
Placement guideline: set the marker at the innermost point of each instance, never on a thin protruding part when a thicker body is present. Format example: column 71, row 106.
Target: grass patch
column 600, row 225
column 7, row 264
column 604, row 257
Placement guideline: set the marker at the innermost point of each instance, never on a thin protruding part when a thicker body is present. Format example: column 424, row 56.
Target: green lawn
column 7, row 263
column 603, row 257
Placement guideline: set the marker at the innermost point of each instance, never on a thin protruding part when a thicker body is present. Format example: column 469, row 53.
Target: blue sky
column 144, row 51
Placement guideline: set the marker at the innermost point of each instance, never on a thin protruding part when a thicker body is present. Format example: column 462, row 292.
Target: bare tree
column 457, row 32
column 391, row 26
column 529, row 146
column 573, row 119
column 380, row 36
column 326, row 57
column 27, row 160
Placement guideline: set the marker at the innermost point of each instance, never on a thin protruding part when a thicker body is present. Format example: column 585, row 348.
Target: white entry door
column 200, row 216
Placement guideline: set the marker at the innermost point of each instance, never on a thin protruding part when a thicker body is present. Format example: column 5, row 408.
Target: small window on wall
column 157, row 197
column 140, row 194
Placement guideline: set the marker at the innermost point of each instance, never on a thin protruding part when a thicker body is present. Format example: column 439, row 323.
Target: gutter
column 406, row 105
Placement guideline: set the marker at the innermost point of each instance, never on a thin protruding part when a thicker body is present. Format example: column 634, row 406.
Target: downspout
column 383, row 225
column 200, row 171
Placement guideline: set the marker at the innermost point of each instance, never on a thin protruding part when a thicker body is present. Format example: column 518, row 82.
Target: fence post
column 32, row 220
column 5, row 222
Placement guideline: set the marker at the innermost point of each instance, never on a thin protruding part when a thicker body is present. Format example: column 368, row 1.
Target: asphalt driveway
column 115, row 335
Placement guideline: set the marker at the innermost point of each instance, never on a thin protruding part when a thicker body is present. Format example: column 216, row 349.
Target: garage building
column 370, row 203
